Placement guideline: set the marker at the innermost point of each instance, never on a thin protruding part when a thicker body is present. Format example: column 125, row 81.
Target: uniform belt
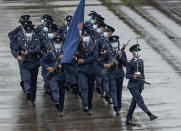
column 115, row 67
column 32, row 57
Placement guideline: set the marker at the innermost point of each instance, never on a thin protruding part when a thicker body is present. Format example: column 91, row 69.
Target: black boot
column 106, row 98
column 153, row 117
column 28, row 95
column 57, row 105
column 47, row 92
column 130, row 123
column 22, row 85
column 116, row 110
column 99, row 89
column 75, row 90
column 85, row 109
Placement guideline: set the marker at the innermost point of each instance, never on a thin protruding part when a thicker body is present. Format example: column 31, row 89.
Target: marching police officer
column 135, row 74
column 104, row 45
column 87, row 73
column 57, row 80
column 44, row 20
column 116, row 73
column 93, row 16
column 46, row 44
column 14, row 32
column 27, row 52
column 62, row 31
column 21, row 35
column 100, row 37
column 89, row 24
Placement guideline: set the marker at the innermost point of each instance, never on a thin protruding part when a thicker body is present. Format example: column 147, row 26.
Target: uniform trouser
column 44, row 73
column 20, row 70
column 57, row 86
column 86, row 88
column 116, row 87
column 105, row 80
column 137, row 99
column 29, row 77
column 99, row 76
column 71, row 78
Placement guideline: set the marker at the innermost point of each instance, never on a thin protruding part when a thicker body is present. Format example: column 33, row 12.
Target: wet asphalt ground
column 160, row 52
column 170, row 7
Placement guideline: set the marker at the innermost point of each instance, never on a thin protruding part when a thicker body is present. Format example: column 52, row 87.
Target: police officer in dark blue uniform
column 116, row 73
column 47, row 45
column 87, row 73
column 19, row 35
column 89, row 24
column 44, row 20
column 27, row 52
column 14, row 32
column 135, row 74
column 57, row 81
column 100, row 41
column 93, row 16
column 104, row 44
column 62, row 31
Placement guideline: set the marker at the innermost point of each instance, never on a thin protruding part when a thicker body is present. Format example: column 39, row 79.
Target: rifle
column 140, row 77
column 25, row 48
column 114, row 60
column 55, row 65
column 147, row 83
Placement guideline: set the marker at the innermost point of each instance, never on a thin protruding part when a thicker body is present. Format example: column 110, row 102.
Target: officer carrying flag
column 74, row 34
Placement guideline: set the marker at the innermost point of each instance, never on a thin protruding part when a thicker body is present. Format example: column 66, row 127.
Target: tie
column 114, row 51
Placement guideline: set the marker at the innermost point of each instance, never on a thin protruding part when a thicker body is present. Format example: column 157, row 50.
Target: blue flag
column 74, row 34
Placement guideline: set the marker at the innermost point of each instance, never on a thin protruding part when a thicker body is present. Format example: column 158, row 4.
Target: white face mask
column 50, row 35
column 90, row 17
column 98, row 30
column 29, row 35
column 86, row 39
column 138, row 54
column 43, row 21
column 45, row 29
column 95, row 27
column 58, row 46
column 92, row 21
column 105, row 34
column 115, row 45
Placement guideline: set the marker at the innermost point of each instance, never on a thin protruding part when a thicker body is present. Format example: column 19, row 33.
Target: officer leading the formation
column 28, row 52
column 13, row 37
column 136, row 76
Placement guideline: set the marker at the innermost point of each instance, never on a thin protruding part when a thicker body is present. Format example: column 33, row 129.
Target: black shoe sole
column 130, row 124
column 153, row 118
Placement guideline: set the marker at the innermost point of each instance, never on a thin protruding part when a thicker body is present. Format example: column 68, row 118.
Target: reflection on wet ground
column 162, row 97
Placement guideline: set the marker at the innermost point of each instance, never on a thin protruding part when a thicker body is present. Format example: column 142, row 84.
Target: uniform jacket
column 130, row 71
column 13, row 33
column 31, row 60
column 89, row 53
column 49, row 58
column 115, row 69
